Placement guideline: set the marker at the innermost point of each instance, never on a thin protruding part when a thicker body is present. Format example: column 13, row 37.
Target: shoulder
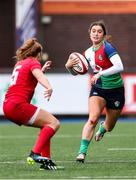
column 33, row 63
column 88, row 52
column 108, row 44
column 110, row 50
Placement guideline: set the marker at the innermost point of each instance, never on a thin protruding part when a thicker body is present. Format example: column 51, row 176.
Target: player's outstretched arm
column 46, row 66
column 41, row 78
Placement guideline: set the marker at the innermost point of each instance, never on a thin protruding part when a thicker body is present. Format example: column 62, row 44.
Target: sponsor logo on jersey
column 95, row 93
column 100, row 57
column 117, row 103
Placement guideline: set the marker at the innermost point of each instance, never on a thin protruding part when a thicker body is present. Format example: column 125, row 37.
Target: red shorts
column 18, row 112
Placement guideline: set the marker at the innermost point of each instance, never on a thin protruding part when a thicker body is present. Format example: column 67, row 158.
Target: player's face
column 96, row 34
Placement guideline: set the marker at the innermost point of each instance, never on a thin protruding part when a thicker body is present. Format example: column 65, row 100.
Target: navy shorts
column 115, row 98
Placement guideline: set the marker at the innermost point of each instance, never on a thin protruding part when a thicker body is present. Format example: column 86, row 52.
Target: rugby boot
column 80, row 158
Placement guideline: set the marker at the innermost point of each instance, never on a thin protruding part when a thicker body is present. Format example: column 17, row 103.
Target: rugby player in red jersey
column 107, row 86
column 17, row 105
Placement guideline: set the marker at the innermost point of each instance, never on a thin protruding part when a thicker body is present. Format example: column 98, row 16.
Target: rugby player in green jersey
column 107, row 87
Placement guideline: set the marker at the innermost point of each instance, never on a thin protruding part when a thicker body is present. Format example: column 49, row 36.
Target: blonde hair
column 30, row 48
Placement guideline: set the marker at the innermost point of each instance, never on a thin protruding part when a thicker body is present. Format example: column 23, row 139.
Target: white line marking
column 72, row 161
column 120, row 135
column 26, row 136
column 63, row 136
column 121, row 149
column 13, row 162
column 105, row 177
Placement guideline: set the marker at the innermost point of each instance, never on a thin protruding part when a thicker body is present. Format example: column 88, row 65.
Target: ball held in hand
column 82, row 66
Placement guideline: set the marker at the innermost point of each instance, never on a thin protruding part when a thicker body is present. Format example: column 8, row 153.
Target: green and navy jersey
column 99, row 59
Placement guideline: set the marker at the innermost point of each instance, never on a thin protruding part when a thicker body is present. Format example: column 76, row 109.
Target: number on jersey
column 14, row 75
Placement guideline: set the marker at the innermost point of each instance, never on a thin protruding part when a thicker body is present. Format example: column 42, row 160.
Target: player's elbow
column 121, row 67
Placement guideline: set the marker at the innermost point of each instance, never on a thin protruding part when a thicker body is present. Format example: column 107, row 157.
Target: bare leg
column 111, row 119
column 96, row 106
column 109, row 123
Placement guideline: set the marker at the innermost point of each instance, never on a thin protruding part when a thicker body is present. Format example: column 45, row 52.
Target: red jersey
column 23, row 83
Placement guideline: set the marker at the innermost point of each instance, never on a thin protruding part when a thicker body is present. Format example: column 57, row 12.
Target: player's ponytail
column 30, row 48
column 108, row 38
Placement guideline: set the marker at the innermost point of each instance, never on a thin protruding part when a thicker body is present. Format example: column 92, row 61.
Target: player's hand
column 48, row 93
column 95, row 78
column 72, row 61
column 46, row 66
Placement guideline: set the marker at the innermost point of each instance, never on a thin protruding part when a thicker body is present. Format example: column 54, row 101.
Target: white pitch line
column 105, row 177
column 63, row 136
column 72, row 161
column 13, row 162
column 120, row 135
column 27, row 136
column 121, row 149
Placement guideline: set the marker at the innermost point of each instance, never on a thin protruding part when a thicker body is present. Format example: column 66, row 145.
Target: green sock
column 84, row 146
column 102, row 129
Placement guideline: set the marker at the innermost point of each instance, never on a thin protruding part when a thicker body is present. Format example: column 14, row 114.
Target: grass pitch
column 114, row 157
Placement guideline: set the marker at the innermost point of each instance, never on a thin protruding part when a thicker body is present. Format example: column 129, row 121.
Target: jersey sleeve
column 110, row 50
column 35, row 65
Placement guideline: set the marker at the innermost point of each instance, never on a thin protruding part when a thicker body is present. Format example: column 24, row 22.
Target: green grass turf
column 102, row 161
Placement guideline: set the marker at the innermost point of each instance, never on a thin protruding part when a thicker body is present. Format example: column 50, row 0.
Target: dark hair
column 31, row 47
column 99, row 23
column 102, row 24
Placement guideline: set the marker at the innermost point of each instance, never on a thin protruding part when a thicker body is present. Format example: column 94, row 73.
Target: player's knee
column 93, row 120
column 57, row 124
column 93, row 123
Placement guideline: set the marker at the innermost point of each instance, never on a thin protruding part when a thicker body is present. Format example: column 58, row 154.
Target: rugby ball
column 82, row 66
